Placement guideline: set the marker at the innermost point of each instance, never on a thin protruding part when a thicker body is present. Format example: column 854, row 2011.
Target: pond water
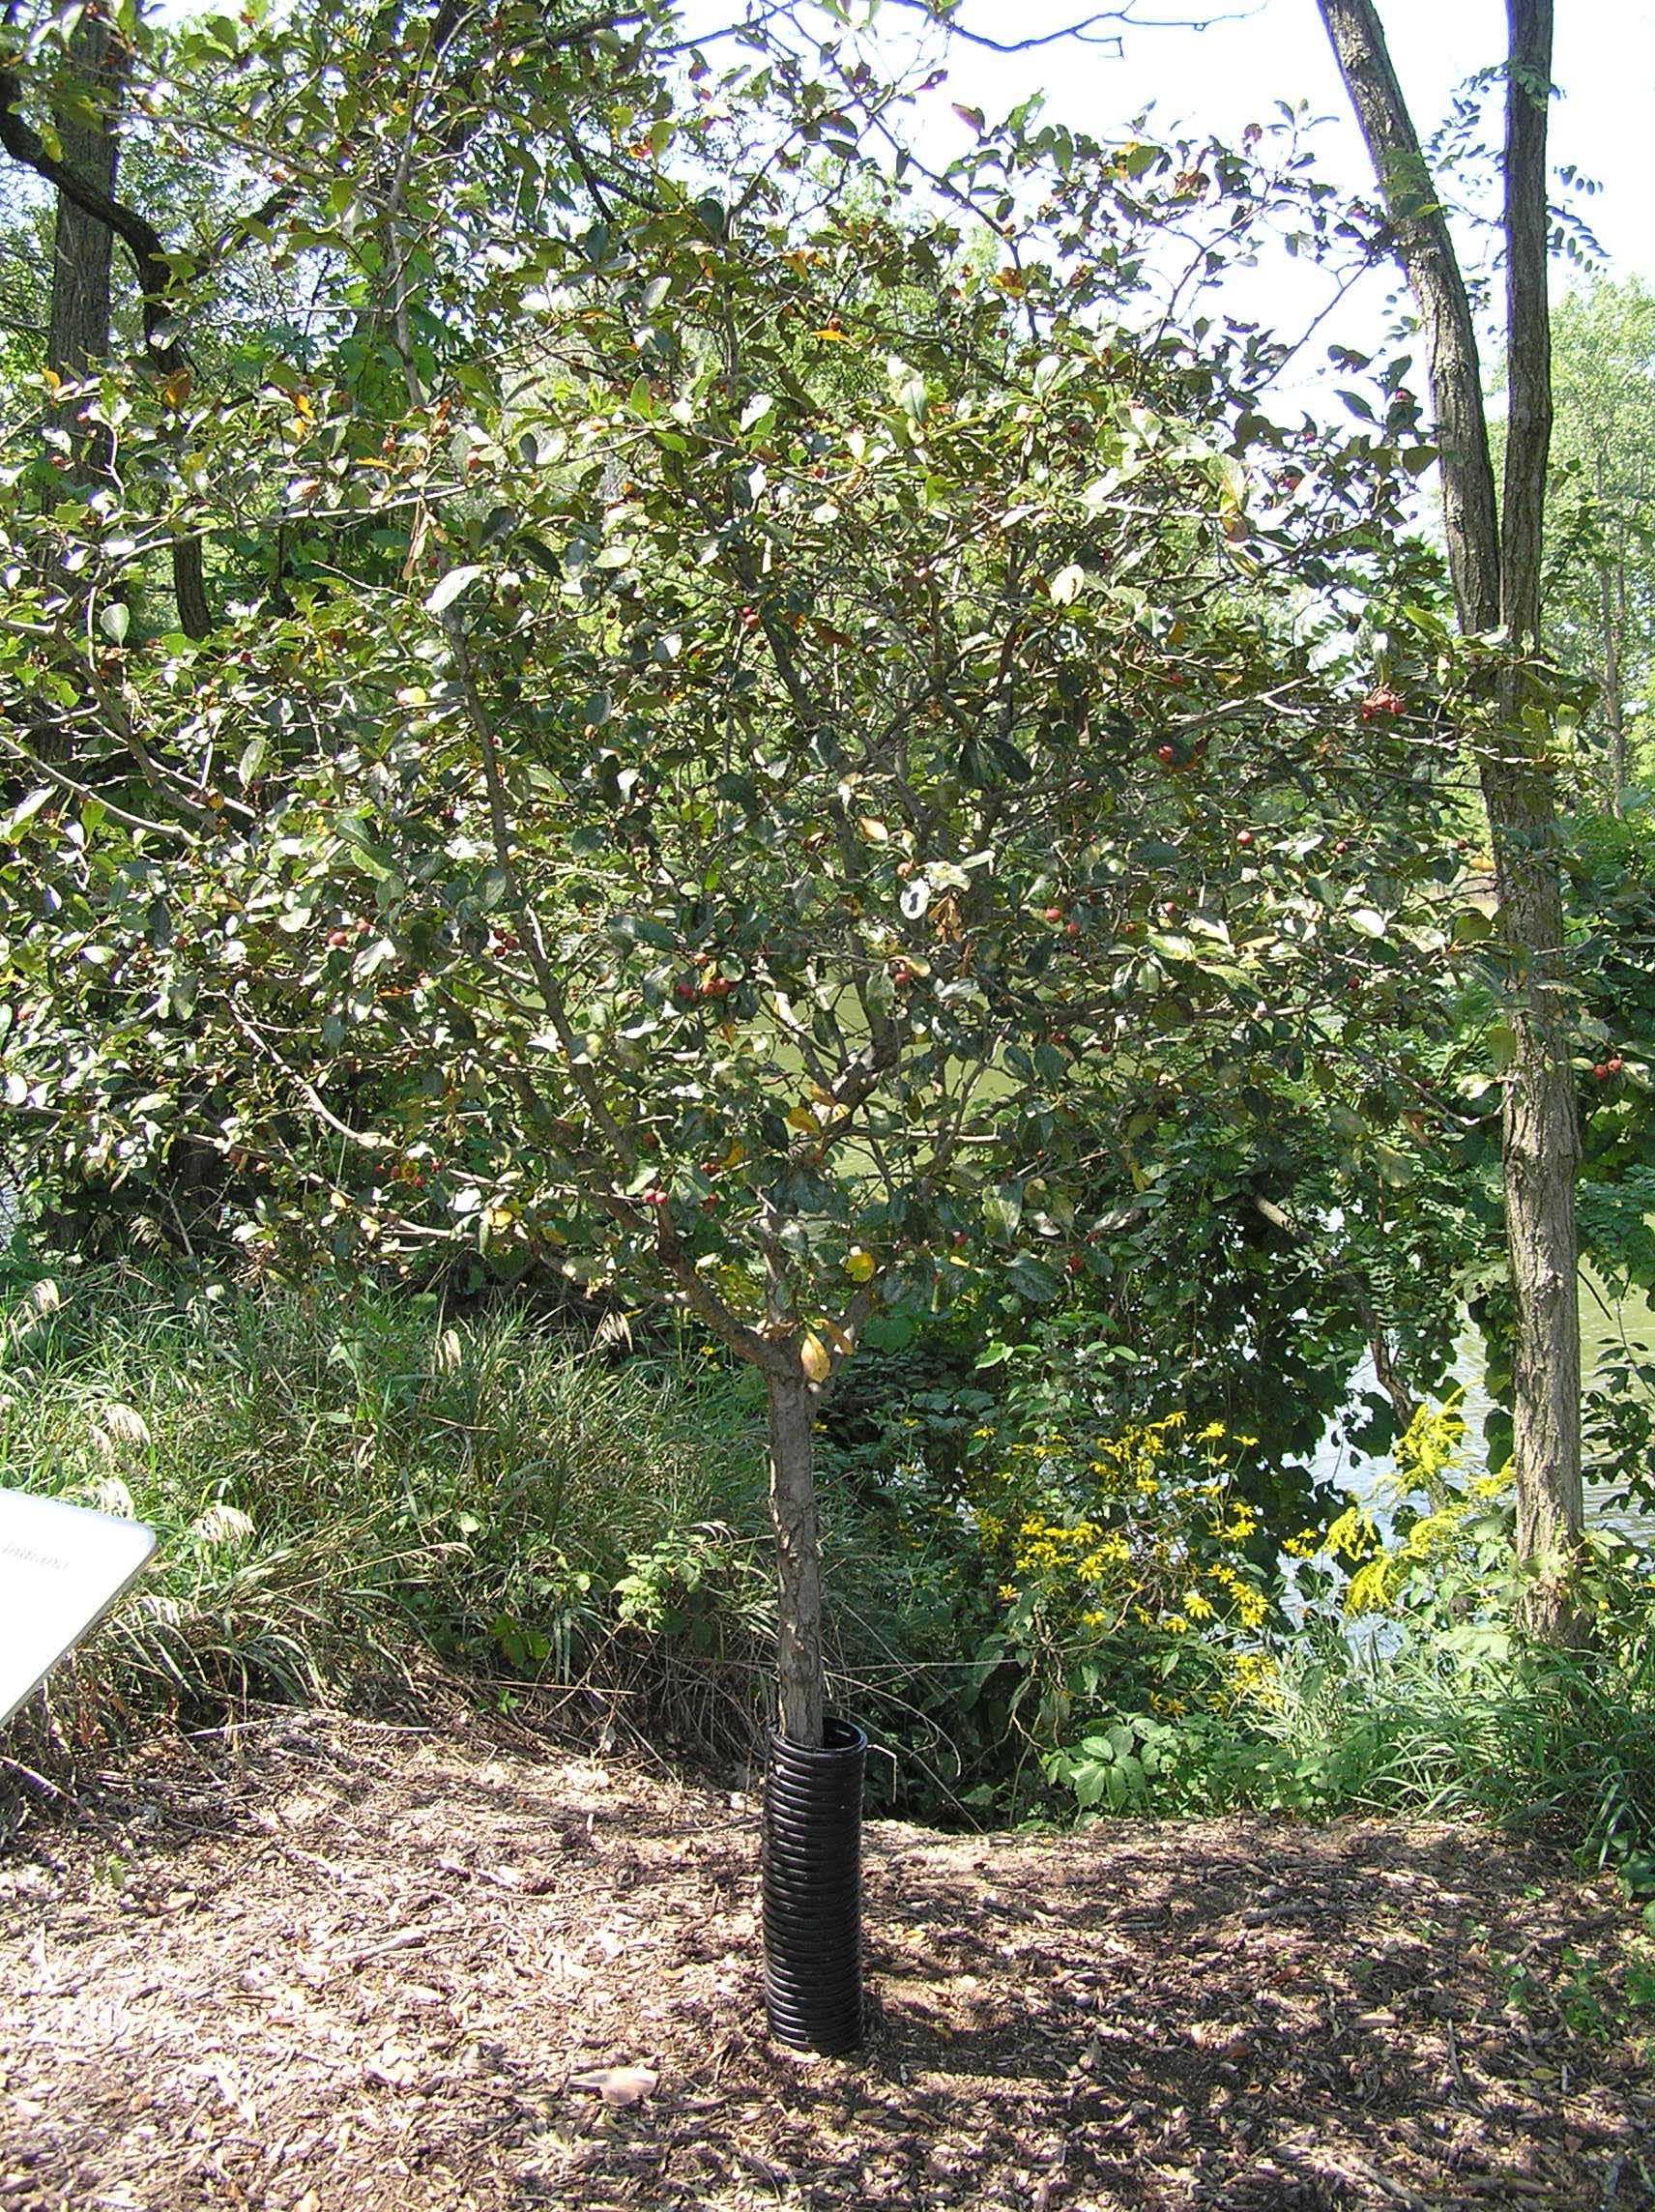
column 1607, row 1325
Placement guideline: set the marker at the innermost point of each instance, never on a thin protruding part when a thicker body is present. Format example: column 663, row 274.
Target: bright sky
column 1233, row 73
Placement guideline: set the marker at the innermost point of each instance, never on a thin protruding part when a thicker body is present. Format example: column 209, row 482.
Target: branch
column 364, row 1139
column 1087, row 31
column 141, row 238
column 581, row 1072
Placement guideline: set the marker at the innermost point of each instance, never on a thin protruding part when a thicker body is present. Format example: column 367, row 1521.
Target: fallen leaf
column 1220, row 2038
column 617, row 2085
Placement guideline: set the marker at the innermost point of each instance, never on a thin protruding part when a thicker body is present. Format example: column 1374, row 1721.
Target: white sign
column 61, row 1569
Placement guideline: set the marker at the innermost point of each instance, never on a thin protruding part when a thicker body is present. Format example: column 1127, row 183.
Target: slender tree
column 1495, row 561
column 1600, row 611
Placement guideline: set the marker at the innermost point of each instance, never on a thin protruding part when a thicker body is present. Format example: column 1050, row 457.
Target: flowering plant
column 1124, row 1568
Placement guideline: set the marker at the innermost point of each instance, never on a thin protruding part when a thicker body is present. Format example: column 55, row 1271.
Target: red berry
column 1243, row 836
column 1071, row 929
column 655, row 1198
column 1165, row 753
column 1054, row 913
column 1343, row 846
column 1615, row 1065
column 1600, row 1071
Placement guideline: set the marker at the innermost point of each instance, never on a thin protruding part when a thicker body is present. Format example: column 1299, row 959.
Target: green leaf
column 449, row 588
column 1033, row 1279
column 25, row 810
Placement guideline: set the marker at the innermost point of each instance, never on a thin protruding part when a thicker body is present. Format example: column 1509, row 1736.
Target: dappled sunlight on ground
column 360, row 1967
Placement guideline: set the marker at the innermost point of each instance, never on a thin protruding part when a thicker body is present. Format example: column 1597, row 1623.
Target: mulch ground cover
column 363, row 1968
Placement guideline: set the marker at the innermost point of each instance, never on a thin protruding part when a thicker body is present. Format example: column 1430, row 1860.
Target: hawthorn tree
column 779, row 697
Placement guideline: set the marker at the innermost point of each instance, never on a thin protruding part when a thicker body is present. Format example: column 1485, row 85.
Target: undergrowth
column 353, row 1486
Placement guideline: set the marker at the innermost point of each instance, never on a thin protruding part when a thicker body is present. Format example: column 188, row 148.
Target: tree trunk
column 78, row 339
column 1495, row 562
column 94, row 202
column 1611, row 619
column 799, row 1559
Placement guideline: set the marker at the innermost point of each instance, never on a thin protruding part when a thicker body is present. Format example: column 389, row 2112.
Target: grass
column 340, row 1481
column 1557, row 1744
column 351, row 1485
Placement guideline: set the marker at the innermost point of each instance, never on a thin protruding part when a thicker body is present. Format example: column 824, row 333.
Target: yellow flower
column 1212, row 1433
column 1196, row 1606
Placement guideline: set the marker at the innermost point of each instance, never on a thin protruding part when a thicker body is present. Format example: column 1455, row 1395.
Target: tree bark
column 1611, row 620
column 1495, row 562
column 798, row 1557
column 77, row 338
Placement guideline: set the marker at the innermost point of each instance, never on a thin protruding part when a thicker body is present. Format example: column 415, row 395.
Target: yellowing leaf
column 815, row 1359
column 860, row 1264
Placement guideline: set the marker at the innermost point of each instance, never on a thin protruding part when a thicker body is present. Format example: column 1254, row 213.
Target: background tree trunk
column 77, row 338
column 89, row 192
column 798, row 1557
column 1494, row 560
column 1611, row 616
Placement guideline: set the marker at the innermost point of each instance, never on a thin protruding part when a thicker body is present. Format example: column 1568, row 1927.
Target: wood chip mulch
column 370, row 1968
